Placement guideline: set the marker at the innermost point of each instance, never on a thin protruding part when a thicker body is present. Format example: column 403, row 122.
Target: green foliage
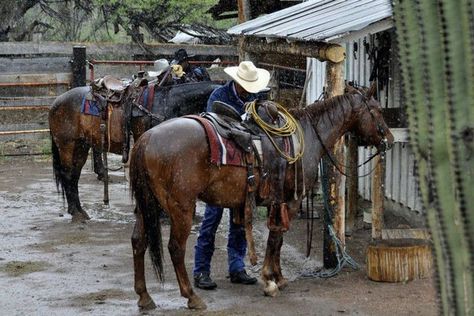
column 115, row 20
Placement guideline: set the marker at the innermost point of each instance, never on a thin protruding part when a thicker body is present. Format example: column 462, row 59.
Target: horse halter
column 384, row 144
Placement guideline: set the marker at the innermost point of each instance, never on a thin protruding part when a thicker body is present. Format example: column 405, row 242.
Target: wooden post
column 78, row 64
column 352, row 184
column 377, row 197
column 244, row 15
column 336, row 216
column 244, row 10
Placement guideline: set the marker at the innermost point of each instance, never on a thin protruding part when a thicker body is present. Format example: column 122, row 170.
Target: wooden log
column 335, row 86
column 399, row 260
column 352, row 184
column 377, row 197
column 320, row 50
column 413, row 233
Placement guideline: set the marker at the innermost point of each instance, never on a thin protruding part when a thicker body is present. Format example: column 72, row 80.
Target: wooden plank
column 21, row 132
column 27, row 101
column 98, row 50
column 400, row 135
column 35, row 65
column 41, row 77
column 51, row 90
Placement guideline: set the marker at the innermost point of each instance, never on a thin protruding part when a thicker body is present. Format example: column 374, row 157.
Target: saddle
column 115, row 93
column 247, row 134
column 109, row 88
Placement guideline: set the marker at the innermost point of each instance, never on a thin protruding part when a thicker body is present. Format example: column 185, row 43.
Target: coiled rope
column 289, row 127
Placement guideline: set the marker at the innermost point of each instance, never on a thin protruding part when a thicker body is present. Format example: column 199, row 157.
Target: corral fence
column 33, row 74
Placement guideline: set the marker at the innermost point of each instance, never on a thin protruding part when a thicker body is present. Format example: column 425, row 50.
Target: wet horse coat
column 73, row 133
column 172, row 177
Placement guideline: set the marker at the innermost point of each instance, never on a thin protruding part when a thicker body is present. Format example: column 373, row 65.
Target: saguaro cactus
column 436, row 47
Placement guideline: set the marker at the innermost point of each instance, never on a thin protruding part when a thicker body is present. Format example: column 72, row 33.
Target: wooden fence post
column 352, row 184
column 335, row 215
column 378, row 193
column 78, row 64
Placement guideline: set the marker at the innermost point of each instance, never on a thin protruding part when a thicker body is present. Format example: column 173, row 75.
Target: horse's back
column 71, row 98
column 172, row 156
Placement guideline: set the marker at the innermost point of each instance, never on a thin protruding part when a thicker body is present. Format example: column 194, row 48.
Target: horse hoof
column 80, row 217
column 146, row 304
column 195, row 302
column 282, row 283
column 253, row 260
column 271, row 289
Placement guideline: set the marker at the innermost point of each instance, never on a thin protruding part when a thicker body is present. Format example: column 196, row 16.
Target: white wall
column 400, row 184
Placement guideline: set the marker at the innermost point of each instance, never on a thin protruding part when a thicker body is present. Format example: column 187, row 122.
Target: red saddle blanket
column 223, row 151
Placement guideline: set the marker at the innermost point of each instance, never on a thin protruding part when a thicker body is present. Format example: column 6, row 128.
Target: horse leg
column 270, row 270
column 73, row 158
column 180, row 229
column 99, row 168
column 139, row 244
column 281, row 281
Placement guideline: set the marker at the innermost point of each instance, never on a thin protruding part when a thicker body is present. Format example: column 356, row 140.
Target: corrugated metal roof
column 317, row 20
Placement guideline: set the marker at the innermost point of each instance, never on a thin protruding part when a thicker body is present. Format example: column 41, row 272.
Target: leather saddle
column 229, row 124
column 109, row 88
column 113, row 84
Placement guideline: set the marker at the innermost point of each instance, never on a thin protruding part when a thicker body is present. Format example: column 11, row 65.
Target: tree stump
column 399, row 260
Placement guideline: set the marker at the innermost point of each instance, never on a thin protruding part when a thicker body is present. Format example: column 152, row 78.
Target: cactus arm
column 435, row 47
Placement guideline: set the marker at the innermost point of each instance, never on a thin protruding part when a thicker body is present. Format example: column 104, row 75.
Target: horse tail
column 57, row 167
column 147, row 206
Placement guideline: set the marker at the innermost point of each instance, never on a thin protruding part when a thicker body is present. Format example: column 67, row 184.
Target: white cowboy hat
column 251, row 78
column 160, row 66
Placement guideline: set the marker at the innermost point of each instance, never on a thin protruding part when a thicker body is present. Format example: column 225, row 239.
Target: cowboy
column 161, row 72
column 247, row 81
column 191, row 73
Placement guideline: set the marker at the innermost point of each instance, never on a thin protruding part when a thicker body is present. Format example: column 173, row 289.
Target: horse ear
column 350, row 88
column 372, row 90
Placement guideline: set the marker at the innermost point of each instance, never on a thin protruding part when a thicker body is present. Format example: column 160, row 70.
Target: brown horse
column 170, row 170
column 73, row 133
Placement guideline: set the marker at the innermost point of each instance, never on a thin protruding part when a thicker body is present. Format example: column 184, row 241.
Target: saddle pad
column 90, row 107
column 146, row 97
column 223, row 151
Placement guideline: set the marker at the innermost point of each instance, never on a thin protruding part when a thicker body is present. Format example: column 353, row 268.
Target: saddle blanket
column 223, row 151
column 147, row 96
column 90, row 106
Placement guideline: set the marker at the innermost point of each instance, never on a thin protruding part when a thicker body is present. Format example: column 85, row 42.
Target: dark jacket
column 228, row 94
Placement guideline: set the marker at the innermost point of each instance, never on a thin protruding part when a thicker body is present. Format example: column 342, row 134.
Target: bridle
column 383, row 144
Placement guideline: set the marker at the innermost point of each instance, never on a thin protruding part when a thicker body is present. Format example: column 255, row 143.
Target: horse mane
column 316, row 109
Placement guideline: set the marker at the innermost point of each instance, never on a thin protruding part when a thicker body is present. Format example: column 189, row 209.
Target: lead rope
column 343, row 258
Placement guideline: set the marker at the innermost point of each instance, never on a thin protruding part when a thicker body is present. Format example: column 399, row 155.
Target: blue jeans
column 204, row 249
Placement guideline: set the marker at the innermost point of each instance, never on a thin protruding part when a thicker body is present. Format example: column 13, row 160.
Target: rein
column 337, row 165
column 159, row 118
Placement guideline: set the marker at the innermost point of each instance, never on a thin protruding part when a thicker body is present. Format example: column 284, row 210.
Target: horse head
column 370, row 125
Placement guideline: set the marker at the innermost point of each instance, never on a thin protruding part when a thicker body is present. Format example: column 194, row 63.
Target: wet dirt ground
column 50, row 266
